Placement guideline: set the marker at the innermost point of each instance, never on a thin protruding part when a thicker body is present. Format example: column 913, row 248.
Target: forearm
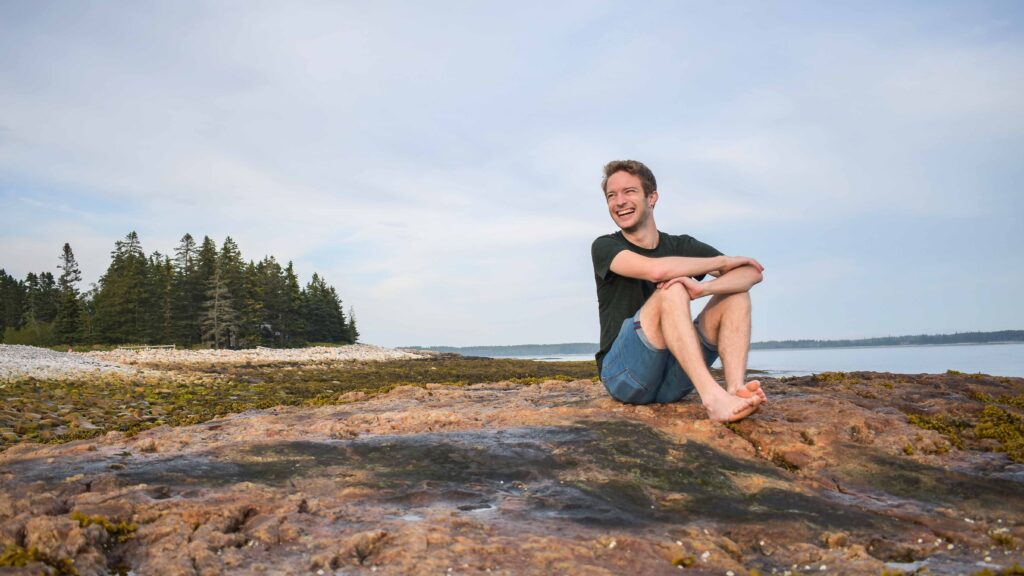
column 670, row 267
column 734, row 281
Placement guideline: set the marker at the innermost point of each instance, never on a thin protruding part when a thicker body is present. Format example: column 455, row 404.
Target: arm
column 633, row 265
column 740, row 279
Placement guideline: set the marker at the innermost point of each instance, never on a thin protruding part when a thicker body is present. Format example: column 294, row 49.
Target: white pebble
column 679, row 542
column 730, row 573
column 988, row 558
column 705, row 555
column 823, row 567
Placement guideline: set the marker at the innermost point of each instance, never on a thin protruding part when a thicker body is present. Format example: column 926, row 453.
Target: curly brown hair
column 634, row 167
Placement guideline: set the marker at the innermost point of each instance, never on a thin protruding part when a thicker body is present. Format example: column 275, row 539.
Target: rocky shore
column 255, row 356
column 18, row 361
column 857, row 473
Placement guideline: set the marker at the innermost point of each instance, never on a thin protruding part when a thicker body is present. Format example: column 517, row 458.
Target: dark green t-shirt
column 619, row 297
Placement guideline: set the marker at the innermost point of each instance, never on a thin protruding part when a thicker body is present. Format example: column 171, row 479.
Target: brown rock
column 552, row 478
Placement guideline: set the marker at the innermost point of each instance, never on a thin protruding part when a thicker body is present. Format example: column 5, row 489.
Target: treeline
column 201, row 296
column 915, row 340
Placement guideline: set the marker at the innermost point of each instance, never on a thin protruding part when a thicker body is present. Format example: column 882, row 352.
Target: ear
column 653, row 198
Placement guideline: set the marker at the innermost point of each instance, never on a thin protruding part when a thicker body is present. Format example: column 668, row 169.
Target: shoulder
column 686, row 245
column 609, row 241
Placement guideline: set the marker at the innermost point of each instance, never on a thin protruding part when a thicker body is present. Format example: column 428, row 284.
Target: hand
column 733, row 262
column 693, row 288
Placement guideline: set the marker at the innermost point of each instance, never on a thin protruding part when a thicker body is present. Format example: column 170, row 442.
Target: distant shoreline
column 578, row 348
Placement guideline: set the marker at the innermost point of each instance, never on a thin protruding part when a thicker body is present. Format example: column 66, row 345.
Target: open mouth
column 625, row 212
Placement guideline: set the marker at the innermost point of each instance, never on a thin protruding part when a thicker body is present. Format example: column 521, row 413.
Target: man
column 651, row 349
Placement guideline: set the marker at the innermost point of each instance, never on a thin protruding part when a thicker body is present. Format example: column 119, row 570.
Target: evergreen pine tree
column 42, row 297
column 87, row 329
column 122, row 303
column 67, row 326
column 274, row 300
column 250, row 308
column 353, row 332
column 12, row 303
column 220, row 320
column 206, row 264
column 294, row 327
column 160, row 285
column 322, row 313
column 186, row 291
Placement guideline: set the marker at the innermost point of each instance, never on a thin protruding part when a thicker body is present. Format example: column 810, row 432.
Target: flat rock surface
column 831, row 477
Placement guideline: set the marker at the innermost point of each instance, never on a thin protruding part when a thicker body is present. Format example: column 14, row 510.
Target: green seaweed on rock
column 1004, row 426
column 19, row 557
column 944, row 424
column 56, row 411
column 121, row 531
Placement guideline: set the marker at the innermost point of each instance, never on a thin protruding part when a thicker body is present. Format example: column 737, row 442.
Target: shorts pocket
column 624, row 388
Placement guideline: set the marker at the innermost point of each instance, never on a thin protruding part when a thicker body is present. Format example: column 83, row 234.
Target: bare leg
column 665, row 320
column 725, row 322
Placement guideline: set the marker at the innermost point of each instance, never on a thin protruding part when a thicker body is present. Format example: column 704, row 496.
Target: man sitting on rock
column 651, row 349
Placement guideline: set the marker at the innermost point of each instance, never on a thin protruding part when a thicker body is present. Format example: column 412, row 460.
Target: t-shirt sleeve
column 603, row 251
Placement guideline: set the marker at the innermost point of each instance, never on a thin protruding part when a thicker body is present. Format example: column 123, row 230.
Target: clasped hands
column 699, row 289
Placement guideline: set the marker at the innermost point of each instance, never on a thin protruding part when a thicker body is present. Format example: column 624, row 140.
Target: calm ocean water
column 995, row 359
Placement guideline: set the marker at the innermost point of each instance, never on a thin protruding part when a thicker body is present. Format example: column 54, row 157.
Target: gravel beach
column 18, row 361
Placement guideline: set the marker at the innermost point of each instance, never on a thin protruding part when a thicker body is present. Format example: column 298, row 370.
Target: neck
column 645, row 235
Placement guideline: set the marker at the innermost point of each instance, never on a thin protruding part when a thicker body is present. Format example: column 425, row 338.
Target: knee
column 673, row 296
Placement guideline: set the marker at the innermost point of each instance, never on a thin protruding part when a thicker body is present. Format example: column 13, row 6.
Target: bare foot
column 730, row 407
column 753, row 388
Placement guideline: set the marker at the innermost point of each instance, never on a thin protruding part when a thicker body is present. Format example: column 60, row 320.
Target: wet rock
column 63, row 542
column 550, row 478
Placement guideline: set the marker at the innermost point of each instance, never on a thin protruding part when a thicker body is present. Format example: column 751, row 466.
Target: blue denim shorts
column 636, row 372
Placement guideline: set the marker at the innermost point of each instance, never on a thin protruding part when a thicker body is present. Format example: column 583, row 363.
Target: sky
column 439, row 163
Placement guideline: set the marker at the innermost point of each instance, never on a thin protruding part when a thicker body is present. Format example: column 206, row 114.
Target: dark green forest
column 908, row 340
column 201, row 296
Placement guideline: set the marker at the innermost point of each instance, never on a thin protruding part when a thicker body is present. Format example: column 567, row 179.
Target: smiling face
column 627, row 205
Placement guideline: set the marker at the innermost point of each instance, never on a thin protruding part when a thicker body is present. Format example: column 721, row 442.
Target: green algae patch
column 55, row 411
column 996, row 420
column 835, row 379
column 950, row 427
column 121, row 531
column 684, row 561
column 1004, row 426
column 18, row 557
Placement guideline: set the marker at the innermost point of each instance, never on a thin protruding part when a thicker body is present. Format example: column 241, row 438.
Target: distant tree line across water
column 200, row 296
column 915, row 340
column 592, row 348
